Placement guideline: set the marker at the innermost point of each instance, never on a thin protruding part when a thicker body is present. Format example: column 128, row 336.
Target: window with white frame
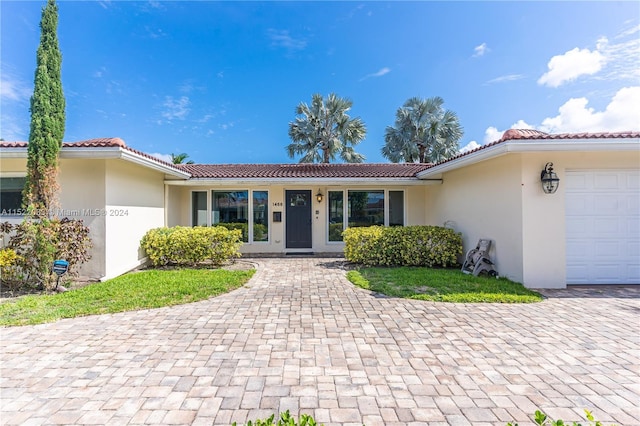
column 239, row 209
column 336, row 215
column 260, row 207
column 363, row 208
column 11, row 195
column 199, row 209
column 396, row 208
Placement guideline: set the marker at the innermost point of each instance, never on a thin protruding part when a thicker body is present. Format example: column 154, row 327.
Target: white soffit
column 546, row 145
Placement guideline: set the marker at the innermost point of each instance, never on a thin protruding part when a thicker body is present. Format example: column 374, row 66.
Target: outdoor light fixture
column 319, row 196
column 549, row 179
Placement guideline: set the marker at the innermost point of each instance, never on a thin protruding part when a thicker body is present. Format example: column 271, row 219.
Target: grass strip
column 441, row 285
column 139, row 290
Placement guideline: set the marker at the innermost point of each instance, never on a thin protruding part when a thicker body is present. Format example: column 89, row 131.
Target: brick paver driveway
column 300, row 337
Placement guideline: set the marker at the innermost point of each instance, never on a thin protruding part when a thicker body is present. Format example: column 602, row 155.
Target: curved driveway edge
column 300, row 337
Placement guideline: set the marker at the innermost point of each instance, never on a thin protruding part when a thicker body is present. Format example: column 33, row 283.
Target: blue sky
column 220, row 80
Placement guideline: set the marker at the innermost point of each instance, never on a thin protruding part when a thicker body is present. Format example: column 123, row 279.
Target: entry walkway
column 299, row 337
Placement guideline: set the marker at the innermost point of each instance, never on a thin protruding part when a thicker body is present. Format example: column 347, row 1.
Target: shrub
column 9, row 272
column 185, row 246
column 286, row 419
column 402, row 246
column 37, row 243
column 542, row 419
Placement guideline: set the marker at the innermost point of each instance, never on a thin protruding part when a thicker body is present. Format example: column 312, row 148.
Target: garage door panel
column 602, row 209
column 608, row 181
column 633, row 204
column 634, row 273
column 608, row 225
column 579, row 248
column 605, row 273
column 606, row 204
column 608, row 249
column 576, row 204
column 578, row 274
column 633, row 181
column 577, row 181
column 632, row 226
column 579, row 225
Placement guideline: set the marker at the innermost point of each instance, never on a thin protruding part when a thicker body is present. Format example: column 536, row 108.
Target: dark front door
column 298, row 218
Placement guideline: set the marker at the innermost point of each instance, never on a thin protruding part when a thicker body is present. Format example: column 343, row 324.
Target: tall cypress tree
column 47, row 119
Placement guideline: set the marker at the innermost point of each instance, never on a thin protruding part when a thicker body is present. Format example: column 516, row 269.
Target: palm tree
column 324, row 129
column 424, row 132
column 179, row 158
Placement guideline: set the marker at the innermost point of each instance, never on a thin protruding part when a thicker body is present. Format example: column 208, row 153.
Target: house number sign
column 277, row 204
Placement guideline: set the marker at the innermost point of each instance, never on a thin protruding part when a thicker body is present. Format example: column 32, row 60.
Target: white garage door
column 603, row 226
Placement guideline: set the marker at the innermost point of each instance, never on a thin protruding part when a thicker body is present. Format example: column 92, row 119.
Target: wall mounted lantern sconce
column 319, row 196
column 549, row 179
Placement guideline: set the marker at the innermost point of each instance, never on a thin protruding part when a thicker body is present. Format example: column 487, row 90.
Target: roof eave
column 523, row 146
column 155, row 165
column 114, row 152
column 266, row 181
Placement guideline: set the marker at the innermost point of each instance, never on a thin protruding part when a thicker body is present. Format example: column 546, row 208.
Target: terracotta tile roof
column 90, row 143
column 97, row 143
column 536, row 135
column 284, row 171
column 512, row 134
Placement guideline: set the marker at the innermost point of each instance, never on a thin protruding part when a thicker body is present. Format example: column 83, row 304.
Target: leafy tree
column 179, row 158
column 424, row 132
column 47, row 119
column 323, row 130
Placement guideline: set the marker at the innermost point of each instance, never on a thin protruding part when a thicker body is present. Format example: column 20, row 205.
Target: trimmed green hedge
column 402, row 246
column 186, row 246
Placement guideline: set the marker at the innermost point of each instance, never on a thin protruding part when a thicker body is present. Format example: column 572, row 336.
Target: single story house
column 587, row 232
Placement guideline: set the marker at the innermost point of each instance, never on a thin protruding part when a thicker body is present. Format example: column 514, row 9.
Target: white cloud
column 571, row 65
column 622, row 113
column 14, row 89
column 281, row 38
column 503, row 78
column 163, row 157
column 492, row 134
column 176, row 108
column 379, row 73
column 610, row 60
column 622, row 57
column 469, row 147
column 480, row 50
column 630, row 31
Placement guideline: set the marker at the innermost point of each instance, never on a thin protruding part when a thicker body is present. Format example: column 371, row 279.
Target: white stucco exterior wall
column 134, row 203
column 82, row 197
column 483, row 201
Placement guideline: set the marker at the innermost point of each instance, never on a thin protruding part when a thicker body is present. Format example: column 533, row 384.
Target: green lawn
column 138, row 290
column 443, row 285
